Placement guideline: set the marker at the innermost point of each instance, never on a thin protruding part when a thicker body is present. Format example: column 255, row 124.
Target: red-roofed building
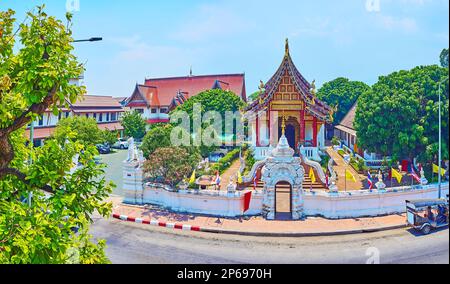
column 156, row 97
column 105, row 110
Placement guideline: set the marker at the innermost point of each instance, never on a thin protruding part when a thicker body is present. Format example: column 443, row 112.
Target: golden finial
column 313, row 88
column 287, row 47
column 283, row 125
column 261, row 85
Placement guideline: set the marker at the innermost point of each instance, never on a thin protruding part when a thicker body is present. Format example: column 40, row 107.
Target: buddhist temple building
column 290, row 96
column 157, row 97
column 106, row 111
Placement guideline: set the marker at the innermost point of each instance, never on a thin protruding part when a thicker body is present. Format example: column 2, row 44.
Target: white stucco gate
column 282, row 166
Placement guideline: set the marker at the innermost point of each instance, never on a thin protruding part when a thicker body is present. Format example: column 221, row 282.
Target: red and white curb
column 157, row 223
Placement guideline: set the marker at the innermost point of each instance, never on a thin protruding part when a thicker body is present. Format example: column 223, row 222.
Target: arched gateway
column 281, row 167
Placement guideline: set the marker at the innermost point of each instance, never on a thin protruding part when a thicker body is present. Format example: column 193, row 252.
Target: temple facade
column 290, row 96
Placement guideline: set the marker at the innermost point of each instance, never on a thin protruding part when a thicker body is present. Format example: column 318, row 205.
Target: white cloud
column 404, row 24
column 210, row 22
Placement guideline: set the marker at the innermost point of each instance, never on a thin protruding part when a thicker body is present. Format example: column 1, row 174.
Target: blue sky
column 328, row 38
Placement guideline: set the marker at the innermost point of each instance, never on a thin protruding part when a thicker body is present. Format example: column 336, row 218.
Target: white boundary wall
column 329, row 205
column 365, row 204
column 207, row 202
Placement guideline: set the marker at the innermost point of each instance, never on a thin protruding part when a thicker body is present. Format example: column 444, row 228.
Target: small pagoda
column 288, row 95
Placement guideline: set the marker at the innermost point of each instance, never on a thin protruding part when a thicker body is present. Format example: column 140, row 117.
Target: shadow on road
column 419, row 234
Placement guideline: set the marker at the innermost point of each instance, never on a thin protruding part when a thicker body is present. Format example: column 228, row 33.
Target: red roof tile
column 110, row 126
column 97, row 101
column 41, row 133
column 168, row 88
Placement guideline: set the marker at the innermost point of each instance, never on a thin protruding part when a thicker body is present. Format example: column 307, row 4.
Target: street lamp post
column 440, row 141
column 92, row 39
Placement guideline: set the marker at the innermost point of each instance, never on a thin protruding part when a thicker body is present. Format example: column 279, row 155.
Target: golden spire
column 287, row 47
column 283, row 125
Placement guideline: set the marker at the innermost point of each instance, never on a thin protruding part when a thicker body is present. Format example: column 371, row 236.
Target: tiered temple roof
column 314, row 106
column 171, row 92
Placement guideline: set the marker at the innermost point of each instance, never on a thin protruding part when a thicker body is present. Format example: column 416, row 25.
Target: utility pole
column 92, row 39
column 440, row 141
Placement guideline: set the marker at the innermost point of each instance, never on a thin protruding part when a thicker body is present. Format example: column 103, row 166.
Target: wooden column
column 257, row 132
column 302, row 127
column 269, row 121
column 315, row 132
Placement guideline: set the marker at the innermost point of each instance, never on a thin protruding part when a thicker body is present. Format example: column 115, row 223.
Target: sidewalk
column 257, row 226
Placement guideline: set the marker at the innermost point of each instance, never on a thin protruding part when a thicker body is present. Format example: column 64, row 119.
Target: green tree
column 399, row 116
column 79, row 128
column 172, row 164
column 134, row 124
column 157, row 137
column 342, row 93
column 254, row 96
column 213, row 100
column 34, row 77
column 444, row 58
column 109, row 137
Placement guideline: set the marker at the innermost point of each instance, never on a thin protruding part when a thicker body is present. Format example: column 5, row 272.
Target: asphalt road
column 130, row 243
column 114, row 171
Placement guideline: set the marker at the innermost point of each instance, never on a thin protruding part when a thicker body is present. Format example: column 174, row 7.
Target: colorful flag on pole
column 395, row 174
column 312, row 176
column 436, row 170
column 414, row 175
column 349, row 176
column 217, row 179
column 246, row 201
column 240, row 178
column 369, row 180
column 192, row 180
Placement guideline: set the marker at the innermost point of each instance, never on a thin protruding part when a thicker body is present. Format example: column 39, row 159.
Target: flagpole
column 440, row 140
column 345, row 177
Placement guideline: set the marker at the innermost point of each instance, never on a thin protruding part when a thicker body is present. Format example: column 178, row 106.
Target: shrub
column 226, row 162
column 335, row 141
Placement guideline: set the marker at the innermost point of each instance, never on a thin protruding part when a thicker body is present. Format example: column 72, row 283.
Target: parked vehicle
column 103, row 148
column 428, row 214
column 121, row 144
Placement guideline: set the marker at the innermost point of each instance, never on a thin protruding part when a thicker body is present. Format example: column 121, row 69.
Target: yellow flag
column 192, row 180
column 397, row 175
column 436, row 170
column 312, row 176
column 240, row 178
column 349, row 176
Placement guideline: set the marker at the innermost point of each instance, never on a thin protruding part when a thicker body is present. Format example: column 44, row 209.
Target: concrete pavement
column 256, row 226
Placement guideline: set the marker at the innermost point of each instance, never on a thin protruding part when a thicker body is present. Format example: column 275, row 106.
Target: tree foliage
column 157, row 137
column 82, row 129
column 444, row 58
column 34, row 77
column 134, row 124
column 172, row 164
column 254, row 96
column 343, row 93
column 213, row 100
column 399, row 116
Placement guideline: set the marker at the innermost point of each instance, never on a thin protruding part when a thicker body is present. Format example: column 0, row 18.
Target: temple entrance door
column 290, row 135
column 283, row 201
